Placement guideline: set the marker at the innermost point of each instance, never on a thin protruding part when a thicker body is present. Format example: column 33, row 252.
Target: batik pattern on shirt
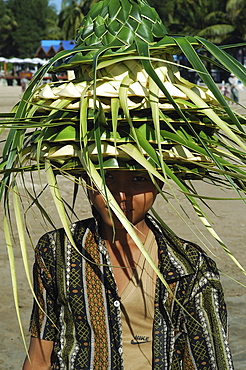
column 77, row 291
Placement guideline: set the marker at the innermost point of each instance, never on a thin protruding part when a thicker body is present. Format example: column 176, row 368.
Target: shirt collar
column 173, row 259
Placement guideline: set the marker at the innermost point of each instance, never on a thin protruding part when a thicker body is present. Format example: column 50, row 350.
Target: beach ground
column 228, row 218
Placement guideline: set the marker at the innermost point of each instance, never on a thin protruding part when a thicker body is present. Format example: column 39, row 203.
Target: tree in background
column 23, row 24
column 219, row 21
column 236, row 11
column 33, row 20
column 53, row 31
column 165, row 9
column 7, row 26
column 71, row 16
column 222, row 22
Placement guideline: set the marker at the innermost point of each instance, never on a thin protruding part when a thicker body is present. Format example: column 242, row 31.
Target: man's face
column 134, row 192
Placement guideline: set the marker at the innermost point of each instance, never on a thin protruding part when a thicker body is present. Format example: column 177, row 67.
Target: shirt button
column 120, row 350
column 116, row 303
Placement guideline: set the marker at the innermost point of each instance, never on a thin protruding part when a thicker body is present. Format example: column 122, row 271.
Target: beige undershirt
column 138, row 312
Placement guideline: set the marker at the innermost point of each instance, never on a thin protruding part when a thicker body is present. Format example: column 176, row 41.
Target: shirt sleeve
column 205, row 335
column 45, row 311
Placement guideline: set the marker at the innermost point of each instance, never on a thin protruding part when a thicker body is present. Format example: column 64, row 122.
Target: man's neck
column 120, row 238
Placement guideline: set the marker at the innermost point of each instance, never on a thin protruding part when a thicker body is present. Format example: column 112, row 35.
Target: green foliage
column 165, row 9
column 53, row 31
column 218, row 21
column 22, row 27
column 26, row 24
column 7, row 26
column 71, row 16
column 236, row 11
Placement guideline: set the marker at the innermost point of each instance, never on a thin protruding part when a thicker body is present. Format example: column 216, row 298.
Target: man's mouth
column 126, row 210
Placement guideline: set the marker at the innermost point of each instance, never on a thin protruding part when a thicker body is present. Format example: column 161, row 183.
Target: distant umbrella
column 14, row 60
column 27, row 60
column 39, row 61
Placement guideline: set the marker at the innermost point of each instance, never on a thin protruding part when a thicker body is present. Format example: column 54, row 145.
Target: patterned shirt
column 79, row 307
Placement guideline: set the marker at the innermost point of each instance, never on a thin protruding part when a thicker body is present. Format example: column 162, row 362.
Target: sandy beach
column 228, row 218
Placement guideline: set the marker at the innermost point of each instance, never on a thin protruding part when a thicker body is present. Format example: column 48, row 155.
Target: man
column 233, row 82
column 102, row 305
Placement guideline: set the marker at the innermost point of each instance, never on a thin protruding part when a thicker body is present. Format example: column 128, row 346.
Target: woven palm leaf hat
column 124, row 104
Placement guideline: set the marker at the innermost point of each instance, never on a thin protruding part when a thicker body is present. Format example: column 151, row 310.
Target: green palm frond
column 216, row 30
